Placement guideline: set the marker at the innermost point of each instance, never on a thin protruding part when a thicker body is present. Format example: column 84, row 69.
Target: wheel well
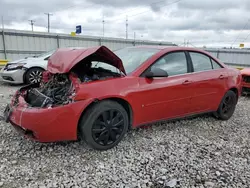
column 122, row 102
column 235, row 90
column 24, row 75
column 126, row 106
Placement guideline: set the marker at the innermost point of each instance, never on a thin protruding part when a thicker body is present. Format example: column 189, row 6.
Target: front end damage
column 48, row 111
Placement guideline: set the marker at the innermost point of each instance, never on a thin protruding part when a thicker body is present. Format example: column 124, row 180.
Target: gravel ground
column 200, row 152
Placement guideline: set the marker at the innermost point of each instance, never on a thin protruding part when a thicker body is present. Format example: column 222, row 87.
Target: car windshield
column 46, row 54
column 134, row 57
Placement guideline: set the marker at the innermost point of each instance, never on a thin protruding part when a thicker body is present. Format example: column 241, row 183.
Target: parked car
column 97, row 95
column 245, row 72
column 27, row 70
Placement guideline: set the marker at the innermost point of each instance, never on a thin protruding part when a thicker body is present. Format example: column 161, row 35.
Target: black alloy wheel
column 104, row 125
column 108, row 127
column 227, row 106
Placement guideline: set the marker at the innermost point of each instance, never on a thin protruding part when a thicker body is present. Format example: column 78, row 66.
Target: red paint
column 65, row 59
column 245, row 72
column 151, row 100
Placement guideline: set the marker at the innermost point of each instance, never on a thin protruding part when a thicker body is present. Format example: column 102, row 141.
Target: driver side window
column 174, row 63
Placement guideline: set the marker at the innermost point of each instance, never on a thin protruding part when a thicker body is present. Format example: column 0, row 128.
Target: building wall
column 19, row 44
column 237, row 57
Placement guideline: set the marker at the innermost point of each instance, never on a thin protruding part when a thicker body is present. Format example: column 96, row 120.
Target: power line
column 240, row 32
column 48, row 14
column 147, row 10
column 137, row 8
column 32, row 24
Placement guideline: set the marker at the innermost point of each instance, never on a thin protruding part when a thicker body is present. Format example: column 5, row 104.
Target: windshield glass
column 134, row 57
column 46, row 54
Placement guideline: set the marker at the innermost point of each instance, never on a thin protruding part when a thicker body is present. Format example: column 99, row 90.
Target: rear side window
column 215, row 65
column 173, row 63
column 200, row 62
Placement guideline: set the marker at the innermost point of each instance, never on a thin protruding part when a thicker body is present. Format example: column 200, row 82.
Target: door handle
column 186, row 82
column 221, row 77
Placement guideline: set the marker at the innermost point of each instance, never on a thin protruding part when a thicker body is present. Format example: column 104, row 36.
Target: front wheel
column 104, row 125
column 33, row 75
column 227, row 106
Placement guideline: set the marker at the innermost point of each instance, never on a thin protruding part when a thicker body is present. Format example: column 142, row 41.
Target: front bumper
column 13, row 76
column 245, row 87
column 46, row 124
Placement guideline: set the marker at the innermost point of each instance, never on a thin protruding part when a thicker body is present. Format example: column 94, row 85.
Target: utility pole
column 134, row 38
column 32, row 24
column 2, row 23
column 103, row 22
column 48, row 14
column 126, row 27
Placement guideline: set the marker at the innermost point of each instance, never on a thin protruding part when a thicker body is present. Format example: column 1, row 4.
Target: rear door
column 209, row 79
column 168, row 97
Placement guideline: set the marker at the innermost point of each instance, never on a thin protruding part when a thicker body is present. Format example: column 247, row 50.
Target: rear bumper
column 14, row 76
column 47, row 125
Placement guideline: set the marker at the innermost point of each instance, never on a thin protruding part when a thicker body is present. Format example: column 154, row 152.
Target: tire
column 227, row 106
column 33, row 75
column 104, row 125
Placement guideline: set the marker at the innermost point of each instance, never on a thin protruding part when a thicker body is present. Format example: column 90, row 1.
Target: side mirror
column 156, row 72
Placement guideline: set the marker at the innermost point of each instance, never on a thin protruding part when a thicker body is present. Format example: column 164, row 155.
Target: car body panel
column 245, row 72
column 18, row 74
column 150, row 100
column 64, row 59
column 49, row 125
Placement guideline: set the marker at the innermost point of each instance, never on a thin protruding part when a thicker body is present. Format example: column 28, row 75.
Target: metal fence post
column 57, row 41
column 218, row 53
column 4, row 46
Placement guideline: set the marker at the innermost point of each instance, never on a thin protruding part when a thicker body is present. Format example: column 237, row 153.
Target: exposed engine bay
column 59, row 89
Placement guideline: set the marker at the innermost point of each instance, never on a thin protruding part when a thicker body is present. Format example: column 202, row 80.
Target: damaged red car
column 245, row 80
column 97, row 95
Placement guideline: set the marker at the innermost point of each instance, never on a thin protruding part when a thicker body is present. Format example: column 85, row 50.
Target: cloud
column 202, row 22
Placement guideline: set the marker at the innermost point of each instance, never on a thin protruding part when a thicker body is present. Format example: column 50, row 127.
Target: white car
column 28, row 70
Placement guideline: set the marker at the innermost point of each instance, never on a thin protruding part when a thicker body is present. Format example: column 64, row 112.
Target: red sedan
column 97, row 95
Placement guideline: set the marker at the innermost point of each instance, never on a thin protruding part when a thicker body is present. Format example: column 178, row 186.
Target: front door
column 168, row 97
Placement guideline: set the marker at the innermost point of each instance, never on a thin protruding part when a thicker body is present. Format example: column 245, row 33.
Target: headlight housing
column 14, row 66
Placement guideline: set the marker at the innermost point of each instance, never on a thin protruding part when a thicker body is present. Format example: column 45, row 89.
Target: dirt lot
column 200, row 152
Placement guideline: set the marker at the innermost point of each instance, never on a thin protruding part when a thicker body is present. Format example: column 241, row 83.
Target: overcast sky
column 216, row 23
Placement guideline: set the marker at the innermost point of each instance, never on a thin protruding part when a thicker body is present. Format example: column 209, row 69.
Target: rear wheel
column 33, row 75
column 104, row 125
column 227, row 106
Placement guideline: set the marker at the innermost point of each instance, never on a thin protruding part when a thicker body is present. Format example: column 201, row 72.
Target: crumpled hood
column 64, row 59
column 245, row 71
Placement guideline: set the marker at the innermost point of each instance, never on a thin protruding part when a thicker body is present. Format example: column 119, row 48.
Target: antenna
column 32, row 24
